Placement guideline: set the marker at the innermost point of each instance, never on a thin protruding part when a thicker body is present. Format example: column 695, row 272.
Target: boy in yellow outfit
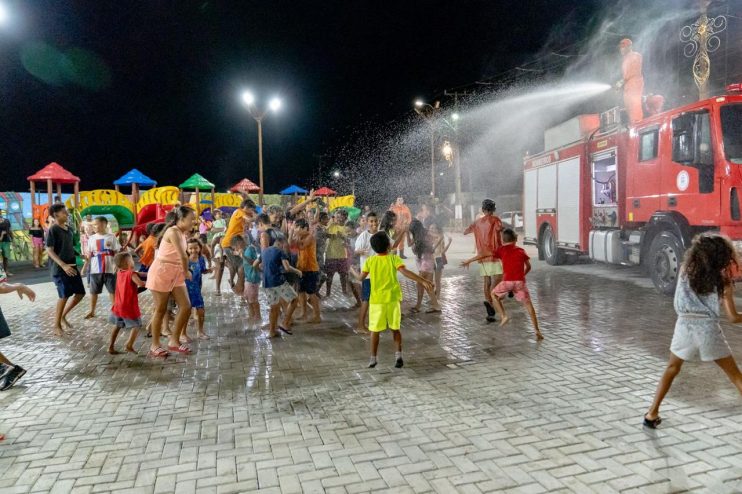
column 384, row 309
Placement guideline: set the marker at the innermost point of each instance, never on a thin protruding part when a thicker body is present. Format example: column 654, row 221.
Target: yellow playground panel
column 166, row 196
column 336, row 202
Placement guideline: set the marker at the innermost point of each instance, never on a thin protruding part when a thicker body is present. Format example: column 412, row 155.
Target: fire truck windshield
column 731, row 128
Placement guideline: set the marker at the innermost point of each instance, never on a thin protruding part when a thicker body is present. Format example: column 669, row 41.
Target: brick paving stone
column 477, row 408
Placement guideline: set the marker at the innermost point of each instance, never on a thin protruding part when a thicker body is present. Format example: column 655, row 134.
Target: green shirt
column 382, row 270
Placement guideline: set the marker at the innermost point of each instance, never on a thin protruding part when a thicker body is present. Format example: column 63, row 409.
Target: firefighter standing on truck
column 632, row 82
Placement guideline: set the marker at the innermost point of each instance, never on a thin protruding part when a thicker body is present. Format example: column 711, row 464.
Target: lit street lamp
column 4, row 15
column 337, row 174
column 248, row 99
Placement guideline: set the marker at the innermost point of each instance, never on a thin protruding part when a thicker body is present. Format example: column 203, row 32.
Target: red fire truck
column 637, row 195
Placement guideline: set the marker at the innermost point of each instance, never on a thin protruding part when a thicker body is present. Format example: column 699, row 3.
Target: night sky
column 104, row 86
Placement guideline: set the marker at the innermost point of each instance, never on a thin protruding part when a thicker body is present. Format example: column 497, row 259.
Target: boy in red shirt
column 125, row 313
column 515, row 267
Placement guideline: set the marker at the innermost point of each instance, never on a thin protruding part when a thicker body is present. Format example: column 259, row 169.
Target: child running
column 197, row 267
column 423, row 249
column 705, row 277
column 274, row 262
column 252, row 279
column 125, row 313
column 385, row 302
column 487, row 238
column 515, row 265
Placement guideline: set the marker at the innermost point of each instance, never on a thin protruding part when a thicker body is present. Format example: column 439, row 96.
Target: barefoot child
column 125, row 313
column 9, row 372
column 279, row 294
column 197, row 267
column 102, row 246
column 704, row 279
column 515, row 265
column 423, row 248
column 307, row 264
column 66, row 277
column 385, row 311
column 441, row 245
column 252, row 281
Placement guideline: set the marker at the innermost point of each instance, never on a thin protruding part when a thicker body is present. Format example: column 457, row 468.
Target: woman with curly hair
column 423, row 248
column 705, row 278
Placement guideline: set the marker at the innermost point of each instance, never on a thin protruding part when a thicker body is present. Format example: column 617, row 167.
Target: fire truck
column 637, row 194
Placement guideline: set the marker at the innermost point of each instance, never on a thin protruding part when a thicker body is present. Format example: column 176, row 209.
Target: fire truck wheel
column 553, row 255
column 665, row 257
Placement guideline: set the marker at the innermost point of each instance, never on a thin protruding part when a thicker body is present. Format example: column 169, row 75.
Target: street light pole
column 249, row 100
column 260, row 159
column 432, row 163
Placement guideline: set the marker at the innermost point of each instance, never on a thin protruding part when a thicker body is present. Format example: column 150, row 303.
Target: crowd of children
column 282, row 257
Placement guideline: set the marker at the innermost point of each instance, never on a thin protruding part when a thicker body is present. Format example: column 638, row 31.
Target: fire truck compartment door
column 530, row 203
column 568, row 201
column 547, row 188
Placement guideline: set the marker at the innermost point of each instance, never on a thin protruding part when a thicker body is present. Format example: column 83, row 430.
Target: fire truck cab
column 637, row 195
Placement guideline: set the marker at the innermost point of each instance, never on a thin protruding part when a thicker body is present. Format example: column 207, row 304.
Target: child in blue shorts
column 384, row 309
column 197, row 267
column 125, row 313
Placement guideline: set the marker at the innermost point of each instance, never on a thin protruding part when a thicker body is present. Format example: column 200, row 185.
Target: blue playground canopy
column 293, row 189
column 134, row 176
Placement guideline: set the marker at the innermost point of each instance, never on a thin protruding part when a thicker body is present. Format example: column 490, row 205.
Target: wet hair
column 197, row 242
column 236, row 240
column 707, row 262
column 387, row 221
column 264, row 219
column 380, row 242
column 323, row 216
column 371, row 215
column 150, row 228
column 301, row 223
column 177, row 214
column 55, row 208
column 509, row 236
column 120, row 259
column 157, row 228
column 102, row 219
column 247, row 203
column 420, row 244
column 488, row 206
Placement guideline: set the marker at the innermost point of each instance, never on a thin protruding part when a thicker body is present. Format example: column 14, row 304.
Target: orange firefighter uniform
column 633, row 82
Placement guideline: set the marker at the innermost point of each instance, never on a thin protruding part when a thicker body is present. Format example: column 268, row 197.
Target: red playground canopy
column 245, row 185
column 324, row 191
column 54, row 172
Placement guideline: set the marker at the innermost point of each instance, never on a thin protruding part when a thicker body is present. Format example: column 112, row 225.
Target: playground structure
column 146, row 203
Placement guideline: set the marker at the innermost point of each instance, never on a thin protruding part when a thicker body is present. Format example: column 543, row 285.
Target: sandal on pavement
column 432, row 311
column 415, row 310
column 180, row 349
column 287, row 331
column 159, row 352
column 652, row 424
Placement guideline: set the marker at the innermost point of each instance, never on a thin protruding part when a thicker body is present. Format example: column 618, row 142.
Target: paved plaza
column 476, row 408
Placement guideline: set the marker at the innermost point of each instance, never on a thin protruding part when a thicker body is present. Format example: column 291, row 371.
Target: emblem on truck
column 683, row 180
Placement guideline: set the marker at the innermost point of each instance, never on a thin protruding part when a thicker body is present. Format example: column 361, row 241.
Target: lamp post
column 273, row 105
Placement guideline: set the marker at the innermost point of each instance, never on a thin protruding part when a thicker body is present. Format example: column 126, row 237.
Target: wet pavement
column 476, row 408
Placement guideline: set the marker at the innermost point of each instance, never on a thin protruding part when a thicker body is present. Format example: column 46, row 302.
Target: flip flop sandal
column 652, row 424
column 432, row 311
column 180, row 349
column 415, row 310
column 159, row 353
column 287, row 331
